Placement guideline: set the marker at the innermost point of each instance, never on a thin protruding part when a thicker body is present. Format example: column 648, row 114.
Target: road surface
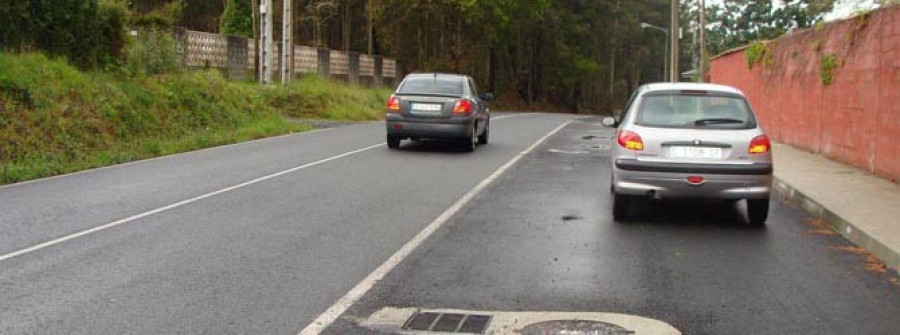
column 280, row 235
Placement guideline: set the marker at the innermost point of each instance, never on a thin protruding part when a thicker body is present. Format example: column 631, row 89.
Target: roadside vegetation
column 56, row 119
column 78, row 92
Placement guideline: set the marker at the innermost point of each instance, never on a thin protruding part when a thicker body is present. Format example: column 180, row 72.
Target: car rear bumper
column 755, row 169
column 429, row 128
column 670, row 180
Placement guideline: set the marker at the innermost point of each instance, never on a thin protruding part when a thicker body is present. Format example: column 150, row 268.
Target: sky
column 842, row 9
column 846, row 8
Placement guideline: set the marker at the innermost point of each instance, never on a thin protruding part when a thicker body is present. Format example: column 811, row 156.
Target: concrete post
column 237, row 57
column 265, row 50
column 353, row 75
column 324, row 62
column 378, row 78
column 287, row 43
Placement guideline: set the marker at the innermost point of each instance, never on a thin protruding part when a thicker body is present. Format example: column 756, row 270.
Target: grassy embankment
column 55, row 119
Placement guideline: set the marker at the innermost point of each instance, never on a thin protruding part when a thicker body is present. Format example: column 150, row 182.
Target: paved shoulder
column 542, row 239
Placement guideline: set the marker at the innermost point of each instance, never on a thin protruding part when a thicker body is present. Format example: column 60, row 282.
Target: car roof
column 436, row 74
column 655, row 87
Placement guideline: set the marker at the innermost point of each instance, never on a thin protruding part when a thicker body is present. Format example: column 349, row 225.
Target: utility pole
column 265, row 41
column 702, row 40
column 287, row 44
column 675, row 37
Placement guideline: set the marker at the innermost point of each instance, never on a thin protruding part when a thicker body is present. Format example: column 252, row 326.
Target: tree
column 237, row 19
column 740, row 22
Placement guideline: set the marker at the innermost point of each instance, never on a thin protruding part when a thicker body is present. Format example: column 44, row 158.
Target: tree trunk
column 346, row 26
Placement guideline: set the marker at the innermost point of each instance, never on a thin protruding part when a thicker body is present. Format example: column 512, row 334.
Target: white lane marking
column 178, row 204
column 339, row 307
column 163, row 157
column 511, row 116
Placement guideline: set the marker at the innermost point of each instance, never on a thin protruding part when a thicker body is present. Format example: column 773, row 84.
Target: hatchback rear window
column 432, row 85
column 695, row 111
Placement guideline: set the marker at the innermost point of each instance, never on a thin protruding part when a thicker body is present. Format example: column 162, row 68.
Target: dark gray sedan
column 438, row 106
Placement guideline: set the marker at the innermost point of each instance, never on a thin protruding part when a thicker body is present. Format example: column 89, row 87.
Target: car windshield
column 695, row 111
column 432, row 85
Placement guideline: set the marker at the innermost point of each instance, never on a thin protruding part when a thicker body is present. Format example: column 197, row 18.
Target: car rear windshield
column 432, row 85
column 696, row 111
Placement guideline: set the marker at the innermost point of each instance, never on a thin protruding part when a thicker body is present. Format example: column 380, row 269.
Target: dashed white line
column 339, row 307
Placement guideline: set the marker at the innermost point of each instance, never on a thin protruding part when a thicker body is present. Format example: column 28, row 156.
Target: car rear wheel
column 471, row 141
column 393, row 142
column 483, row 138
column 621, row 203
column 758, row 211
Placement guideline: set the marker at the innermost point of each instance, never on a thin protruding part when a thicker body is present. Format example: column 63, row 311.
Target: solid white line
column 341, row 306
column 178, row 204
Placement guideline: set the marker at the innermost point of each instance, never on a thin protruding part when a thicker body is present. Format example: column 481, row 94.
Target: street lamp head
column 645, row 25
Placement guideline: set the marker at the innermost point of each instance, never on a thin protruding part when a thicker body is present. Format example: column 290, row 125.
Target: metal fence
column 235, row 56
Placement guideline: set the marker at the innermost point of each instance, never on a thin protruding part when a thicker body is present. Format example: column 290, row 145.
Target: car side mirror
column 609, row 121
column 488, row 97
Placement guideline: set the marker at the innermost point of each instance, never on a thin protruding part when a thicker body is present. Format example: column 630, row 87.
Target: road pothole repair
column 414, row 321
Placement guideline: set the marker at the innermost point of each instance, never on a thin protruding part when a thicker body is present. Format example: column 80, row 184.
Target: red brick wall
column 856, row 119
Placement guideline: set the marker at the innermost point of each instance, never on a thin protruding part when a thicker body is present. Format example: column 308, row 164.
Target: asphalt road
column 264, row 237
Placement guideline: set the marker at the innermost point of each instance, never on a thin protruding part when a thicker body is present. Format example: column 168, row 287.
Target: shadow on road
column 690, row 213
column 433, row 146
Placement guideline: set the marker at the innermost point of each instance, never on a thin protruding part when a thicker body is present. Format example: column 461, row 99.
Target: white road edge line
column 332, row 313
column 188, row 201
column 178, row 204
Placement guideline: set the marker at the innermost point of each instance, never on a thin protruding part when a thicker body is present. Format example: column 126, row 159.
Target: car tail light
column 630, row 141
column 760, row 145
column 463, row 107
column 393, row 105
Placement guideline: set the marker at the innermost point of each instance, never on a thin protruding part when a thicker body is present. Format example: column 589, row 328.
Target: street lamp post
column 665, row 31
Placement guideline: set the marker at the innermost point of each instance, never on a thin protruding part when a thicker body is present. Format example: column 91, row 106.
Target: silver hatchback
column 687, row 140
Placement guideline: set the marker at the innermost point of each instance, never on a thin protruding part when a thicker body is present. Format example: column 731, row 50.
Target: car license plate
column 695, row 152
column 426, row 107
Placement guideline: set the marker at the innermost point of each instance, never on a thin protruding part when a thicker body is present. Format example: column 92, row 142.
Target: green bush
column 90, row 33
column 827, row 65
column 152, row 52
column 164, row 17
column 237, row 19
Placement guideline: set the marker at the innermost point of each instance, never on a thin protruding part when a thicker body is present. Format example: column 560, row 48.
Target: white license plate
column 695, row 152
column 426, row 107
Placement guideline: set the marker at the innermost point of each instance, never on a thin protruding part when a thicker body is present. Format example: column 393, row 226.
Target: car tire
column 621, row 204
column 757, row 211
column 470, row 142
column 485, row 136
column 393, row 142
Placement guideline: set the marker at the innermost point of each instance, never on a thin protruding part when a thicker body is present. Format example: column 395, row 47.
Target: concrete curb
column 848, row 229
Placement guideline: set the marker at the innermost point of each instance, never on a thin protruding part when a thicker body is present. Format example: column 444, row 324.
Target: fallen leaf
column 824, row 232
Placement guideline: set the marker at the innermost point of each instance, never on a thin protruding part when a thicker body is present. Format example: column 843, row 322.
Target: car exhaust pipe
column 653, row 195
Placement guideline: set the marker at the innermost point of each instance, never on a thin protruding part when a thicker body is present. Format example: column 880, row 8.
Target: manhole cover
column 575, row 327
